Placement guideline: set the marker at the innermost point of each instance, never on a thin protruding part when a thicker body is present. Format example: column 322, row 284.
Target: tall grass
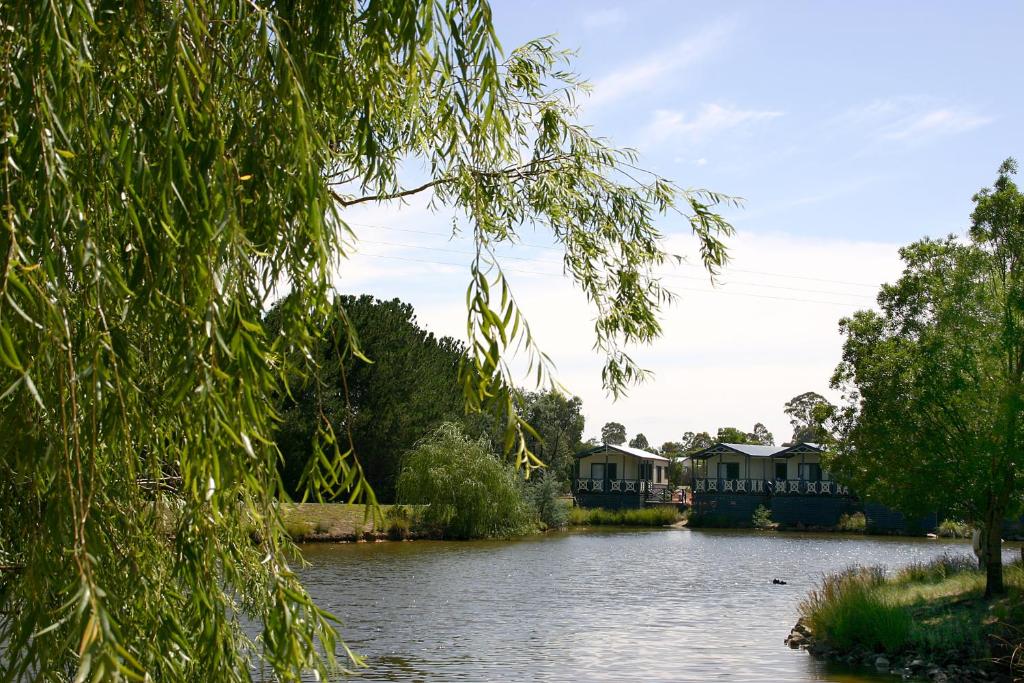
column 652, row 516
column 934, row 609
column 849, row 611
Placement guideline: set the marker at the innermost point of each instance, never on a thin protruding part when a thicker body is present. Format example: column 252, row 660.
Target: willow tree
column 934, row 381
column 168, row 168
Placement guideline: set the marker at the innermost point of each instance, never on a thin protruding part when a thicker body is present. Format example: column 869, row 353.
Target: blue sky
column 848, row 128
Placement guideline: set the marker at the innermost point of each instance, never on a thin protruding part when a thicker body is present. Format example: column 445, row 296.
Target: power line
column 845, row 304
column 871, row 285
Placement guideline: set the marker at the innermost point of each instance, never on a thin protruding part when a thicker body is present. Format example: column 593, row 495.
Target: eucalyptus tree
column 168, row 168
column 613, row 433
column 933, row 381
column 808, row 414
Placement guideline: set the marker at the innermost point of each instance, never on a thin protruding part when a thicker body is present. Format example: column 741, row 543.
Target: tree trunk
column 993, row 551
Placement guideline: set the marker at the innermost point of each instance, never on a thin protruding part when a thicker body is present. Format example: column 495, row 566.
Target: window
column 781, row 470
column 658, row 477
column 613, row 470
column 597, row 470
column 810, row 471
column 728, row 470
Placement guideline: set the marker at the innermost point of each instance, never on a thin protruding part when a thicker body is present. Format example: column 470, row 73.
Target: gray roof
column 628, row 450
column 753, row 450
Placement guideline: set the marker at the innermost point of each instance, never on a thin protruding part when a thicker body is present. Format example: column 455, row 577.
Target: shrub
column 849, row 610
column 399, row 521
column 762, row 518
column 856, row 522
column 951, row 528
column 544, row 496
column 467, row 491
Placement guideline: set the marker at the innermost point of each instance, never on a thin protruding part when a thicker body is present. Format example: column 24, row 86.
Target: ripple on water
column 659, row 605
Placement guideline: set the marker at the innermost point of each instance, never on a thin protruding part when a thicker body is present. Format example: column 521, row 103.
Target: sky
column 848, row 129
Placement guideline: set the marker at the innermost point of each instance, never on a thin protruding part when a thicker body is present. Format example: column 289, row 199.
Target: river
column 652, row 605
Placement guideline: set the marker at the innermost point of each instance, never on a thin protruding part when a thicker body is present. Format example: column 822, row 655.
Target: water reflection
column 662, row 605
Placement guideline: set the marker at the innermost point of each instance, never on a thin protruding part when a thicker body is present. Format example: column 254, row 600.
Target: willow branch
column 522, row 171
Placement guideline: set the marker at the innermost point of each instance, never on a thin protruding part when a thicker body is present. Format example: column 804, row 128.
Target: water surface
column 652, row 605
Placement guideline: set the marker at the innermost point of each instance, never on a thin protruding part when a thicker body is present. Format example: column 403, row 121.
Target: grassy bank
column 652, row 516
column 307, row 521
column 933, row 612
column 341, row 522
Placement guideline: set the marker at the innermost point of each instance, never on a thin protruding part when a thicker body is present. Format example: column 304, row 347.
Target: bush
column 951, row 528
column 652, row 516
column 762, row 518
column 856, row 522
column 467, row 491
column 848, row 610
column 544, row 496
column 399, row 521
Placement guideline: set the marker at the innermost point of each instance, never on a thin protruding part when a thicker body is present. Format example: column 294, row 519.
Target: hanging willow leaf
column 168, row 169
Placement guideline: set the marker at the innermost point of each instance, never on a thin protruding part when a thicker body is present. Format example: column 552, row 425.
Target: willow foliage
column 168, row 166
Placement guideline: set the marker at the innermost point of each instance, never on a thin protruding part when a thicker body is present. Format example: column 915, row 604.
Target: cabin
column 614, row 476
column 732, row 480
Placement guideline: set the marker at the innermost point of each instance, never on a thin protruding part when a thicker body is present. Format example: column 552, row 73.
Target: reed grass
column 652, row 516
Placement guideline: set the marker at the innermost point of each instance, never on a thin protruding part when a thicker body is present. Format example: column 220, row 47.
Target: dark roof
column 798, row 448
column 628, row 450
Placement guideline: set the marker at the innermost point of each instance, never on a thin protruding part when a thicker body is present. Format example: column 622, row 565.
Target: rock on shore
column 910, row 666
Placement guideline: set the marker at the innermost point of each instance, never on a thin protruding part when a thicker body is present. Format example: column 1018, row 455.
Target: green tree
column 732, row 435
column 557, row 421
column 808, row 414
column 696, row 441
column 613, row 433
column 168, row 168
column 466, row 490
column 640, row 441
column 385, row 406
column 761, row 435
column 934, row 380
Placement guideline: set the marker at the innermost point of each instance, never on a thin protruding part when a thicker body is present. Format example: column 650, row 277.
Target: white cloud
column 909, row 119
column 656, row 67
column 934, row 123
column 711, row 119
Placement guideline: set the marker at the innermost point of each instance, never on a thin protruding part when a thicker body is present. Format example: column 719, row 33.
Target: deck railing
column 617, row 485
column 775, row 487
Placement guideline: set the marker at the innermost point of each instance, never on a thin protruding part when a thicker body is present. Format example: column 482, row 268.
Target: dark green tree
column 809, row 413
column 640, row 441
column 613, row 433
column 933, row 382
column 384, row 406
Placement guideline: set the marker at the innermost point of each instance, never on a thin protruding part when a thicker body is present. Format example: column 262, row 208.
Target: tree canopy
column 386, row 406
column 808, row 414
column 759, row 435
column 933, row 381
column 640, row 441
column 613, row 433
column 169, row 168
